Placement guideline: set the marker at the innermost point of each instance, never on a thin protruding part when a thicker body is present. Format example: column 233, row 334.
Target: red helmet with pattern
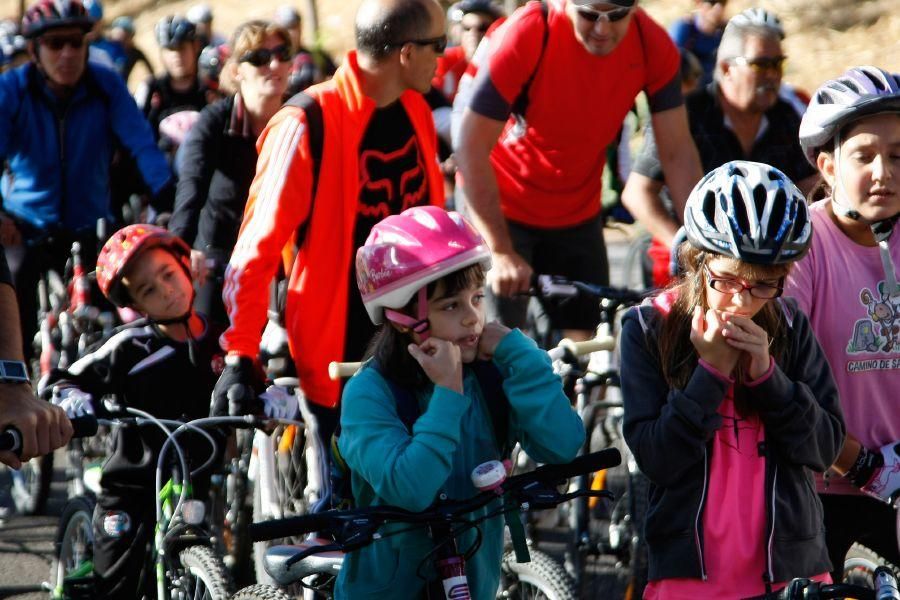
column 54, row 14
column 124, row 245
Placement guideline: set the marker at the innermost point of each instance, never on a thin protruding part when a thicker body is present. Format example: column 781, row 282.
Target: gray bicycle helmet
column 758, row 17
column 173, row 30
column 858, row 93
column 749, row 211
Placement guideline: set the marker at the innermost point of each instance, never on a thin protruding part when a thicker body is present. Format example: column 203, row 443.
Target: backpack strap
column 520, row 105
column 315, row 132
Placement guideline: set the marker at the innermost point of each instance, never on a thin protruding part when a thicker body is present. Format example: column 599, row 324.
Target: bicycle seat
column 277, row 559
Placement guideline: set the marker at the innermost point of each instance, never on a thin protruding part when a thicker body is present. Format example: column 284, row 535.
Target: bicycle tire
column 260, row 592
column 31, row 485
column 541, row 579
column 638, row 561
column 203, row 575
column 74, row 543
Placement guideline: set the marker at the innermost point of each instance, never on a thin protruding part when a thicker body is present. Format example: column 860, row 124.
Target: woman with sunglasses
column 729, row 403
column 219, row 159
column 848, row 285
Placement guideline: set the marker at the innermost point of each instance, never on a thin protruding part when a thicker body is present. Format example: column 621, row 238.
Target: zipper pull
column 761, row 449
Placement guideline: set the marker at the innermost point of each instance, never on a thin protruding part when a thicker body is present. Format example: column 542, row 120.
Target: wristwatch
column 13, row 371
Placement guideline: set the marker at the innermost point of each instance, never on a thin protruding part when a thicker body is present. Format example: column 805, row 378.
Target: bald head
column 383, row 25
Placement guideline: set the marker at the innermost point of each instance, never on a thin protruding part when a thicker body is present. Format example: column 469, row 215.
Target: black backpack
column 489, row 379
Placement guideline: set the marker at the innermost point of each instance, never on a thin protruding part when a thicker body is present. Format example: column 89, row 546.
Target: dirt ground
column 824, row 37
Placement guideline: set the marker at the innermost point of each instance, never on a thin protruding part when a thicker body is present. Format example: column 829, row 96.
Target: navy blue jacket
column 65, row 184
column 670, row 432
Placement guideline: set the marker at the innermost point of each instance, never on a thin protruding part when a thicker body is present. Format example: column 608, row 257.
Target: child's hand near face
column 442, row 362
column 711, row 345
column 491, row 335
column 745, row 335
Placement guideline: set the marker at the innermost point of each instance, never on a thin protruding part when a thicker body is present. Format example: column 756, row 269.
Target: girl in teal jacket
column 424, row 270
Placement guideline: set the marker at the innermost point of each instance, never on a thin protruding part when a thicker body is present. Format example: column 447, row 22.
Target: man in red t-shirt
column 535, row 195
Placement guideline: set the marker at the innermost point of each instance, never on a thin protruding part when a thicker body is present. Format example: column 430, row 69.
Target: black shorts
column 577, row 253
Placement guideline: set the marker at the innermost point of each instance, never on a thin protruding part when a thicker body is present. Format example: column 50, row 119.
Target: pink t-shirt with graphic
column 839, row 285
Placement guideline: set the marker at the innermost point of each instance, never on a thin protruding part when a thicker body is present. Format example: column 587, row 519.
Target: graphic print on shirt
column 392, row 179
column 741, row 434
column 877, row 332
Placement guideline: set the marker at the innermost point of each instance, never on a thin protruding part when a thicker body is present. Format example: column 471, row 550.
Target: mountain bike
column 186, row 549
column 315, row 563
column 596, row 531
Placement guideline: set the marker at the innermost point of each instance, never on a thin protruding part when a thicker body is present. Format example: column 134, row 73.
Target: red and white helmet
column 123, row 246
column 406, row 252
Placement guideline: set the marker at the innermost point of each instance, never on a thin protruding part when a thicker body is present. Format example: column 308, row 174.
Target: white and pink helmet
column 406, row 252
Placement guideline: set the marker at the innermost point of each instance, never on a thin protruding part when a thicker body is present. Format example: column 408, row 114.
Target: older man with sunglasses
column 739, row 116
column 61, row 120
column 557, row 84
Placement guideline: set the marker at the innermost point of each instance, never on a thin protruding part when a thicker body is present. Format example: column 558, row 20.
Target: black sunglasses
column 439, row 44
column 58, row 42
column 263, row 56
column 617, row 14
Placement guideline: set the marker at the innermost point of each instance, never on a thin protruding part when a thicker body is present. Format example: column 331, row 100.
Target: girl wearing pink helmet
column 421, row 276
column 847, row 284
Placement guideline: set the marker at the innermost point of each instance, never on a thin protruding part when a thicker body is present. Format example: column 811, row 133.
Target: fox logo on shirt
column 393, row 179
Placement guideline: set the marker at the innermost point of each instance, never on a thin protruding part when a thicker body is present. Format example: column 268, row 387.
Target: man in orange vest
column 376, row 156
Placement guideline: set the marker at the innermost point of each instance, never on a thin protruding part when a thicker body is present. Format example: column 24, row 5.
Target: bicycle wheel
column 31, row 485
column 260, row 592
column 74, row 548
column 635, row 273
column 541, row 579
column 638, row 561
column 202, row 575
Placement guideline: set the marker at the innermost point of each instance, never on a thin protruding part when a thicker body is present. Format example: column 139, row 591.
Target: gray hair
column 734, row 39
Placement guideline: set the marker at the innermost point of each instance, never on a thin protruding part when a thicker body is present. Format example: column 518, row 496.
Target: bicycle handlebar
column 11, row 437
column 342, row 370
column 801, row 588
column 554, row 286
column 368, row 519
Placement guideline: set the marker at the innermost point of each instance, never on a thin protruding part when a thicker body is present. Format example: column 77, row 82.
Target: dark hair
column 389, row 345
column 678, row 357
column 400, row 22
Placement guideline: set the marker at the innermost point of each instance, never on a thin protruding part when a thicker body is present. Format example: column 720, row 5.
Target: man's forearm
column 477, row 137
column 641, row 198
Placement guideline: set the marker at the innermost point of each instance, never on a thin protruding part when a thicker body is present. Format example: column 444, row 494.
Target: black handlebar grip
column 11, row 438
column 289, row 526
column 589, row 463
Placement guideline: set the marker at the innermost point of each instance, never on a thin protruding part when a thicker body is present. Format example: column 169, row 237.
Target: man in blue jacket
column 61, row 119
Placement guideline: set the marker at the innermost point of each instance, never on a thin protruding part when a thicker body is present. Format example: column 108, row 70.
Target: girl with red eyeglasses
column 730, row 407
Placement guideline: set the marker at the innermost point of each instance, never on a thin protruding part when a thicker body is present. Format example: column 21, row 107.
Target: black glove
column 238, row 388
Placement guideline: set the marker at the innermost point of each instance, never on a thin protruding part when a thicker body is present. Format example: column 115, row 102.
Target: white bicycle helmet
column 749, row 211
column 758, row 17
column 858, row 93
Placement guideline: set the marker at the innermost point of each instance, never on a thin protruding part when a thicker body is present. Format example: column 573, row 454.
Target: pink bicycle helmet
column 406, row 252
column 123, row 246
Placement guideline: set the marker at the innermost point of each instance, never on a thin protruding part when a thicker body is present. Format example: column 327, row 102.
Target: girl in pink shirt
column 848, row 286
column 729, row 403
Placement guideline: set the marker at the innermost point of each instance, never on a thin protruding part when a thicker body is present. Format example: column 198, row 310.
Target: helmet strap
column 419, row 325
column 839, row 194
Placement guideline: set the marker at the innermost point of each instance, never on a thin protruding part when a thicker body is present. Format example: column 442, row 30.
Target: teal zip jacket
column 452, row 437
